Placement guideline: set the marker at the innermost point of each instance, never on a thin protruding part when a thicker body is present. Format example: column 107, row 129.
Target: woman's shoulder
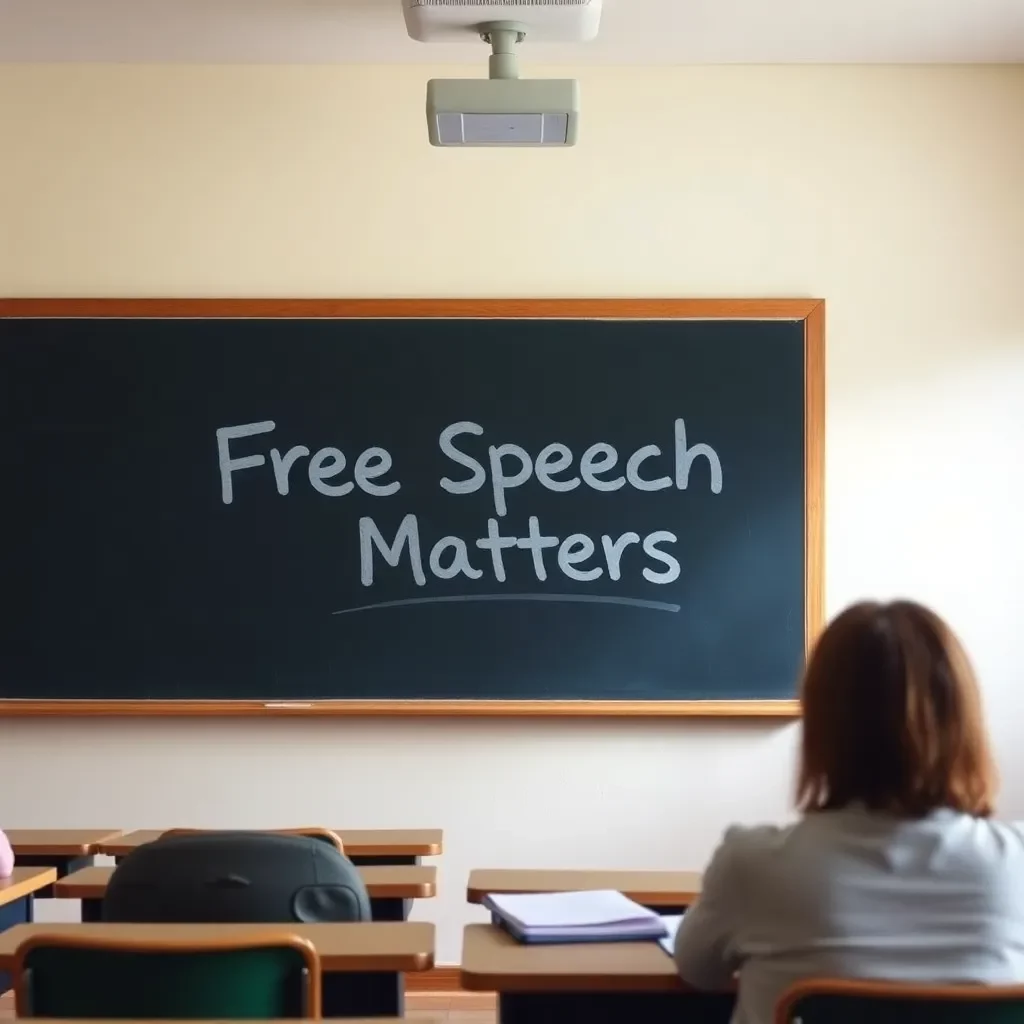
column 752, row 837
column 995, row 841
column 740, row 843
column 1001, row 840
column 745, row 852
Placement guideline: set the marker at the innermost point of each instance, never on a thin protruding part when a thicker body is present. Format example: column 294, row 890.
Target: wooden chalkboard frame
column 810, row 311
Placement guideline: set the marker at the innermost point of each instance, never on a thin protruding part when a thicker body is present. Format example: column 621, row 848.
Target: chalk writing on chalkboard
column 509, row 466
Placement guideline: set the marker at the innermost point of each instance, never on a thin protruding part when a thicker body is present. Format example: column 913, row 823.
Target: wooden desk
column 594, row 982
column 388, row 882
column 363, row 846
column 666, row 892
column 17, row 895
column 368, row 946
column 363, row 963
column 66, row 849
column 348, row 1020
column 25, row 882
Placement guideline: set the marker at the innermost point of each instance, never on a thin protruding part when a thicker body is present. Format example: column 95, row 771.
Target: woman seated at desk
column 896, row 870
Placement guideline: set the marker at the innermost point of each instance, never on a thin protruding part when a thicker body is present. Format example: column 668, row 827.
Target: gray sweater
column 853, row 894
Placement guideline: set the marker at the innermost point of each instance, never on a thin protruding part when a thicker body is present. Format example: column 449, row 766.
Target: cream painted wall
column 896, row 194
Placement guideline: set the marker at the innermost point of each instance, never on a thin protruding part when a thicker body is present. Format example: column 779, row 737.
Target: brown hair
column 892, row 717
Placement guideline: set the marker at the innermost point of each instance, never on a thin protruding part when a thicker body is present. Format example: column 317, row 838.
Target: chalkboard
column 346, row 506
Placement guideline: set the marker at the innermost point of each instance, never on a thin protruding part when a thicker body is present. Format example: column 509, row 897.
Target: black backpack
column 256, row 877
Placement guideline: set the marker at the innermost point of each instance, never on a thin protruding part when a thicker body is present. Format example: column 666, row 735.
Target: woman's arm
column 6, row 857
column 705, row 954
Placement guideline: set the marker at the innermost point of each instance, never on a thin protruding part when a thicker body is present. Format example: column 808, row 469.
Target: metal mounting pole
column 503, row 37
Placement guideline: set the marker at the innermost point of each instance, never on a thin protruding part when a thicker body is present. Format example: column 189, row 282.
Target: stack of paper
column 599, row 916
column 671, row 923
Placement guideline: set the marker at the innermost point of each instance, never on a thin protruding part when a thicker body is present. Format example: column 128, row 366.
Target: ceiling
column 632, row 32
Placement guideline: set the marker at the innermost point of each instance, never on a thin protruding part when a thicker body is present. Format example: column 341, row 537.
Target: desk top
column 326, row 1020
column 25, row 881
column 358, row 842
column 398, row 947
column 399, row 882
column 492, row 961
column 59, row 842
column 651, row 888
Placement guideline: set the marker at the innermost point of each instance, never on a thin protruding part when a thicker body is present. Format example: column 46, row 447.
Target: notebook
column 592, row 916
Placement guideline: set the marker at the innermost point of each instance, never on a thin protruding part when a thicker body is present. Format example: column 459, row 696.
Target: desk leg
column 388, row 910
column 363, row 995
column 92, row 910
column 614, row 1008
column 18, row 912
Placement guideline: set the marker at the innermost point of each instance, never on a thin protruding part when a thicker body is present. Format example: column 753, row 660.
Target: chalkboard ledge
column 787, row 709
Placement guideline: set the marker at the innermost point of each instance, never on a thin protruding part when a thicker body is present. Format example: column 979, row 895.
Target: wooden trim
column 383, row 708
column 311, row 832
column 649, row 888
column 387, row 947
column 162, row 944
column 382, row 881
column 57, row 844
column 814, row 474
column 810, row 311
column 891, row 990
column 437, row 979
column 492, row 961
column 399, row 881
column 359, row 842
column 316, row 309
column 72, row 887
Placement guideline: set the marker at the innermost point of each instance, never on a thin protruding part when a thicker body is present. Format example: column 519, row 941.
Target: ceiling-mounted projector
column 502, row 110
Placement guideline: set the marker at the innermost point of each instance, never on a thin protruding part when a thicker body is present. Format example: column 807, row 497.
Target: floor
column 450, row 1007
column 424, row 1007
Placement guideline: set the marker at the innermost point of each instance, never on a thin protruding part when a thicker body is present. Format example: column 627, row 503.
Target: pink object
column 6, row 857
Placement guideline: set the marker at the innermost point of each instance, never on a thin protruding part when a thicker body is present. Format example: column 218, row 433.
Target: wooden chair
column 828, row 1001
column 316, row 832
column 228, row 977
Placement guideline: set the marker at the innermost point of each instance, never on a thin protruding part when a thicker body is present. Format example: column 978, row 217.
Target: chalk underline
column 630, row 602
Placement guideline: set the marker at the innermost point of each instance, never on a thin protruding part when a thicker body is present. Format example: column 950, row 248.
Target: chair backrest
column 236, row 876
column 828, row 1001
column 226, row 978
column 315, row 832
